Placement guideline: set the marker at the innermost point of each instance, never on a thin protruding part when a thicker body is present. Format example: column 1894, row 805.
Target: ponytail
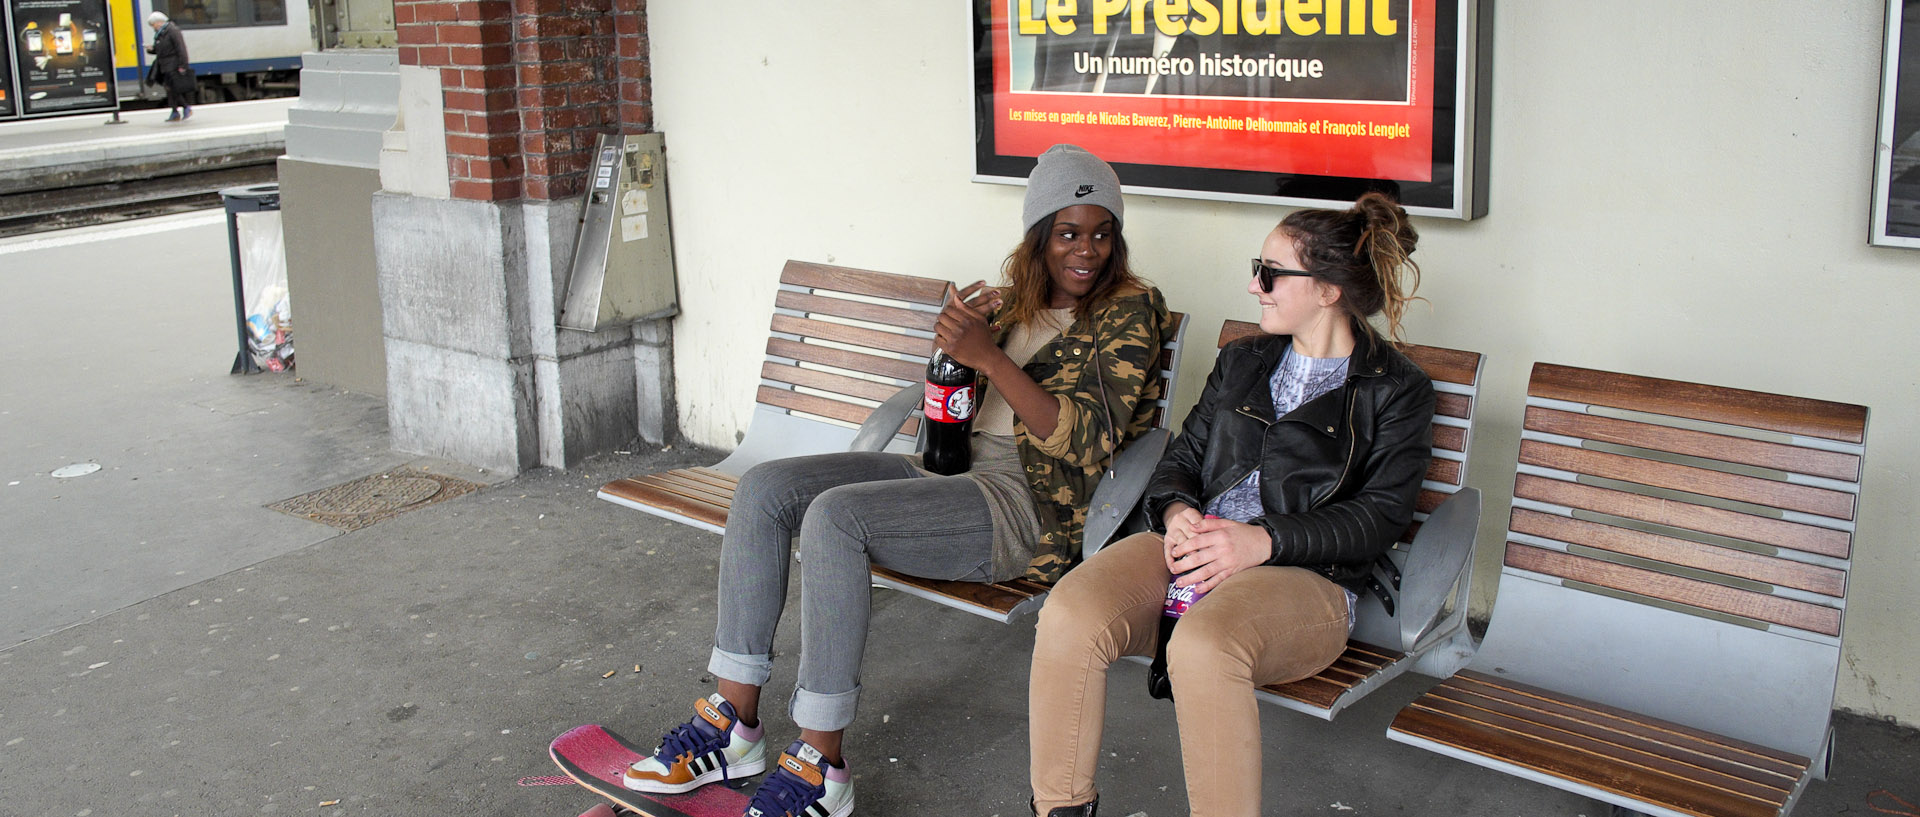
column 1366, row 252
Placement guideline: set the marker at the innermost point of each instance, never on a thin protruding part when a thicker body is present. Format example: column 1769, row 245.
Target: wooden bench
column 1427, row 630
column 846, row 357
column 1666, row 635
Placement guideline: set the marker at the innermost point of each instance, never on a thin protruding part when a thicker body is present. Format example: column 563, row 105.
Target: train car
column 241, row 49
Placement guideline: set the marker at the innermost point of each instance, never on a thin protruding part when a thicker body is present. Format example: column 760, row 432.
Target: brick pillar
column 479, row 370
column 527, row 86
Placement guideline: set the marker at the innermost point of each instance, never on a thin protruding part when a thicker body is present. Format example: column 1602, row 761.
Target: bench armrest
column 886, row 418
column 1117, row 495
column 1437, row 566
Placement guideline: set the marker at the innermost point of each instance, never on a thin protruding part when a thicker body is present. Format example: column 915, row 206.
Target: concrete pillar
column 473, row 253
column 327, row 179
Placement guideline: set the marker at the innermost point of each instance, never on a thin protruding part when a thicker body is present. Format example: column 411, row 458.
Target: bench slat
column 1704, row 481
column 1001, row 597
column 1444, row 365
column 853, row 335
column 856, row 310
column 681, row 484
column 1448, row 404
column 847, row 359
column 1319, row 692
column 1717, row 521
column 1788, row 415
column 872, row 284
column 1447, row 471
column 1451, row 438
column 1441, row 365
column 644, row 494
column 1359, row 662
column 1725, row 561
column 1771, row 765
column 1598, row 765
column 828, row 381
column 1654, row 584
column 1777, row 456
column 825, row 407
column 720, row 479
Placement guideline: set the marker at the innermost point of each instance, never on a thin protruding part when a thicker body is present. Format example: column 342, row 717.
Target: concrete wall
column 1684, row 198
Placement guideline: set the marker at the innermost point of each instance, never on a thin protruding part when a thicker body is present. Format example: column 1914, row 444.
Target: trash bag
column 263, row 265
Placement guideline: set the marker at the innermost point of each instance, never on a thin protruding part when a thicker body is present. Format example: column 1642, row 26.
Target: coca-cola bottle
column 949, row 411
column 1179, row 599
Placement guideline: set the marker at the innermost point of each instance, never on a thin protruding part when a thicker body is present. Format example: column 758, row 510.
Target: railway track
column 23, row 212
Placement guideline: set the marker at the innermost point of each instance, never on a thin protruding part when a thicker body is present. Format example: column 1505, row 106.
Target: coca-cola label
column 949, row 404
column 1180, row 598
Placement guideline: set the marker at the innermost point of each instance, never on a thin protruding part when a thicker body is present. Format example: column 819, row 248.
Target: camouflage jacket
column 1123, row 339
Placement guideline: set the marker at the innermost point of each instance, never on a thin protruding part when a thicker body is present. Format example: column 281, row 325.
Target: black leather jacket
column 1338, row 475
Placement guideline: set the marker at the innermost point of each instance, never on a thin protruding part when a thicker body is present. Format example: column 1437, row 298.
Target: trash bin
column 269, row 325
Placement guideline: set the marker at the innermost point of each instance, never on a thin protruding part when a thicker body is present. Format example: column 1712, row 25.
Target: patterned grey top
column 1295, row 381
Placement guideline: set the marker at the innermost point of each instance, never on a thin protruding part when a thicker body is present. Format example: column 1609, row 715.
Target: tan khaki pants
column 1264, row 625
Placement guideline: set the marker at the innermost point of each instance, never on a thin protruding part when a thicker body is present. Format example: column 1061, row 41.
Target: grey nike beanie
column 1067, row 175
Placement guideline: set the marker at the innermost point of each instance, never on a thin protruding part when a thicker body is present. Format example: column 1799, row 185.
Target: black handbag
column 182, row 82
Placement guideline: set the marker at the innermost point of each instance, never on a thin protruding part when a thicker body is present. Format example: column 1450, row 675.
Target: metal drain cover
column 362, row 502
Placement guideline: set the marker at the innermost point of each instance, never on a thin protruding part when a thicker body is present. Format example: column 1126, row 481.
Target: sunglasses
column 1266, row 274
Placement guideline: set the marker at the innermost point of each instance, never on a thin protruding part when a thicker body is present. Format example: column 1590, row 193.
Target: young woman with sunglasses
column 1297, row 469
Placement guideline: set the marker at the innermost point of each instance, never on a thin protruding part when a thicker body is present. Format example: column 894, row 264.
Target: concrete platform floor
column 33, row 151
column 168, row 646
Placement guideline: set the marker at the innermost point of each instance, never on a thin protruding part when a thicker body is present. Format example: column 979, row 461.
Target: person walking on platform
column 170, row 68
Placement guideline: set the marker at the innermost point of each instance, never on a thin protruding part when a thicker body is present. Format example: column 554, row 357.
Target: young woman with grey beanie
column 1066, row 351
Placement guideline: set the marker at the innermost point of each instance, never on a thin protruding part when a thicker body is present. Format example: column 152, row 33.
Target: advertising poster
column 9, row 94
column 1280, row 101
column 62, row 56
column 1896, row 189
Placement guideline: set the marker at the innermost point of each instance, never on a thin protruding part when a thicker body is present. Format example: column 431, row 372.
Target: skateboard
column 597, row 759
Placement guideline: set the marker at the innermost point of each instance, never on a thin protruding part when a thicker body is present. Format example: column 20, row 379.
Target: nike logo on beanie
column 1084, row 191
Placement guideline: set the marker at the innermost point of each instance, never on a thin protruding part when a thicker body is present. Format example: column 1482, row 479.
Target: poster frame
column 1885, row 157
column 1463, row 195
column 9, row 82
column 111, row 97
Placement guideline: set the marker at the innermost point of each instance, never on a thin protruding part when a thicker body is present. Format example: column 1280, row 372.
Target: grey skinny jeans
column 847, row 509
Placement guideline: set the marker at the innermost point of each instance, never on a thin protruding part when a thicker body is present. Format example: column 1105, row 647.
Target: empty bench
column 845, row 364
column 1666, row 635
column 1427, row 628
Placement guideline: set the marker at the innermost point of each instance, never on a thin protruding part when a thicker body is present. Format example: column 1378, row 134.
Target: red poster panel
column 1289, row 101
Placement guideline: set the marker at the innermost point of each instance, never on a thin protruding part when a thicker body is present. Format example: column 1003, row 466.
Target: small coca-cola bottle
column 949, row 409
column 1179, row 599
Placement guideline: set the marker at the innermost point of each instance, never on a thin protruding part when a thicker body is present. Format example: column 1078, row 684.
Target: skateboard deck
column 597, row 759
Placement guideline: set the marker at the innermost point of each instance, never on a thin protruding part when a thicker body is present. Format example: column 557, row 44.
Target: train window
column 224, row 13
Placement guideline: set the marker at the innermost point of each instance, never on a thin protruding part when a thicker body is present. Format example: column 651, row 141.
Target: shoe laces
column 784, row 793
column 690, row 739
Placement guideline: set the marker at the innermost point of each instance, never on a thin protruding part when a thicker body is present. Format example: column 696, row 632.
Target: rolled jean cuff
column 822, row 712
column 752, row 670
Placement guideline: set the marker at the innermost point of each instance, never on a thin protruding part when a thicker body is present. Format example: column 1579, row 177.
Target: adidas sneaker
column 712, row 746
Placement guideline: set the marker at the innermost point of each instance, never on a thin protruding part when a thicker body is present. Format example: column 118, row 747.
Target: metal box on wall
column 623, row 258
